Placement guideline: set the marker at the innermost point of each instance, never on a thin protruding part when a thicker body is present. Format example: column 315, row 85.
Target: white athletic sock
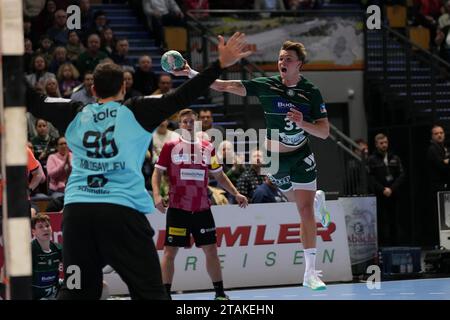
column 310, row 259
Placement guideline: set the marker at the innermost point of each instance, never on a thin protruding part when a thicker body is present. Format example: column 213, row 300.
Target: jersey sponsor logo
column 104, row 114
column 294, row 139
column 192, row 174
column 322, row 108
column 203, row 231
column 97, row 181
column 214, row 163
column 177, row 231
column 181, row 158
column 279, row 182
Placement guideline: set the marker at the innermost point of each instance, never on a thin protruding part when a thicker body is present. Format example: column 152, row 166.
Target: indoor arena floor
column 423, row 289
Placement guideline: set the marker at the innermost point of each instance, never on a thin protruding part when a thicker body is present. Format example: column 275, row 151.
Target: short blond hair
column 186, row 112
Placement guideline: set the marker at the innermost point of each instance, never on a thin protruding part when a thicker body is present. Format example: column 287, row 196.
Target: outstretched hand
column 184, row 72
column 232, row 51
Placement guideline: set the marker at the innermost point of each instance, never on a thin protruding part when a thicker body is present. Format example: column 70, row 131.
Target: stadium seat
column 176, row 38
column 396, row 16
column 420, row 36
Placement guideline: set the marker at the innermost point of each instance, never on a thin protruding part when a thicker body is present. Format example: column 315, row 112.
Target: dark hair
column 40, row 119
column 436, row 126
column 361, row 140
column 108, row 79
column 298, row 47
column 205, row 110
column 40, row 217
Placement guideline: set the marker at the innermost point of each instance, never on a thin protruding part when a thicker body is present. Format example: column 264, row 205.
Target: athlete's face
column 288, row 64
column 187, row 122
column 42, row 231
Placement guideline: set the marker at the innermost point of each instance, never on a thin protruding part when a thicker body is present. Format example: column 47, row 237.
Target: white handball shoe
column 320, row 210
column 312, row 280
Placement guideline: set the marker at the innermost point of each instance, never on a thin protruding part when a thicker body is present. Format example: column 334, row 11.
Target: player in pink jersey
column 188, row 161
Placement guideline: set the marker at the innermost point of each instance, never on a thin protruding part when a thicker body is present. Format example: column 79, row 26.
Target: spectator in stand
column 207, row 119
column 28, row 56
column 161, row 13
column 87, row 15
column 268, row 193
column 444, row 19
column 442, row 42
column 100, row 23
column 59, row 32
column 427, row 13
column 251, row 178
column 59, row 58
column 30, row 32
column 45, row 20
column 164, row 84
column 85, row 94
column 59, row 168
column 273, row 5
column 68, row 79
column 40, row 75
column 160, row 137
column 46, row 48
column 145, row 80
column 120, row 57
column 296, row 5
column 108, row 41
column 196, row 5
column 43, row 143
column 52, row 88
column 130, row 92
column 89, row 59
column 232, row 4
column 74, row 46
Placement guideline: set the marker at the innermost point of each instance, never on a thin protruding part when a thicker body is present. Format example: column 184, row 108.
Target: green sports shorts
column 297, row 169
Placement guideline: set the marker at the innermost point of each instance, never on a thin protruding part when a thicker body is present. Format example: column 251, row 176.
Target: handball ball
column 172, row 60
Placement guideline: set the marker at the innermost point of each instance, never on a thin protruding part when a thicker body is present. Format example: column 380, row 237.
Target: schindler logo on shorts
column 192, row 174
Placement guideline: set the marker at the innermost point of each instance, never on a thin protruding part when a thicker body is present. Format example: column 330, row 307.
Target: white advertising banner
column 361, row 222
column 258, row 246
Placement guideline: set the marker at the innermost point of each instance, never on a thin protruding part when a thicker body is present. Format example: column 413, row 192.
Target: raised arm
column 60, row 112
column 150, row 112
column 230, row 86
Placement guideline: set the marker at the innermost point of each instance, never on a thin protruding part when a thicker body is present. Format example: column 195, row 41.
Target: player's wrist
column 192, row 73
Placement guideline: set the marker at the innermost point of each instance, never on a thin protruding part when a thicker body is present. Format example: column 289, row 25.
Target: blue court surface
column 423, row 289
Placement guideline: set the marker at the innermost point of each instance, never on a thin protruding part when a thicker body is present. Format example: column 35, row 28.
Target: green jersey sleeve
column 254, row 86
column 318, row 109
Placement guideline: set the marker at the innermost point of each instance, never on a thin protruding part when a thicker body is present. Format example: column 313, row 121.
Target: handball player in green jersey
column 293, row 106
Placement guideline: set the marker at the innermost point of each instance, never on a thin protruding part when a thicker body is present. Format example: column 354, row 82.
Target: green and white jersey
column 45, row 269
column 277, row 99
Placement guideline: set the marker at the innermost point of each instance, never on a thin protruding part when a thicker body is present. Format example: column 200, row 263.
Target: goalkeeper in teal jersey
column 294, row 107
